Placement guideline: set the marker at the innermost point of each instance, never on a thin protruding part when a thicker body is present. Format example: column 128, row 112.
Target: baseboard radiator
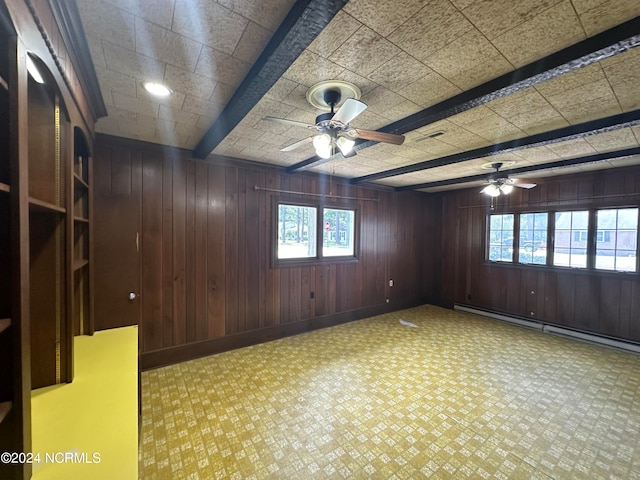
column 552, row 329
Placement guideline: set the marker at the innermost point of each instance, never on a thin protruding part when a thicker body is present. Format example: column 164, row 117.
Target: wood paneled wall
column 606, row 303
column 207, row 243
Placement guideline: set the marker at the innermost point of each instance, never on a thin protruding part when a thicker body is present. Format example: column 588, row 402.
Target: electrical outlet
column 387, row 300
column 391, row 283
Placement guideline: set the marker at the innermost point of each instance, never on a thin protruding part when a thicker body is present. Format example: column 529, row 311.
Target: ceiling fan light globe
column 322, row 141
column 506, row 189
column 324, row 152
column 491, row 190
column 345, row 145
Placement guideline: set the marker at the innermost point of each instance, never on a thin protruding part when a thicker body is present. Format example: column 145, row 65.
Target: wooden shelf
column 81, row 219
column 43, row 206
column 4, row 324
column 78, row 264
column 5, row 188
column 79, row 181
column 5, row 408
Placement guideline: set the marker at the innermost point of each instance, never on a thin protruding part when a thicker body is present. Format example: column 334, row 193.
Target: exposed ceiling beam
column 606, row 44
column 303, row 23
column 599, row 157
column 593, row 127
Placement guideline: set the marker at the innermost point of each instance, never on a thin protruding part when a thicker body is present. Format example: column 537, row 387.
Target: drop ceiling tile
column 281, row 89
column 364, row 51
column 341, row 27
column 222, row 93
column 636, row 132
column 165, row 45
column 401, row 110
column 180, row 80
column 210, row 23
column 136, row 105
column 253, row 40
column 268, row 107
column 540, row 120
column 111, row 81
column 104, row 21
column 517, row 103
column 591, row 109
column 597, row 16
column 429, row 90
column 268, row 14
column 624, row 76
column 189, row 130
column 128, row 62
column 121, row 115
column 298, row 98
column 625, row 161
column 572, row 148
column 615, row 140
column 159, row 12
column 465, row 53
column 586, row 92
column 201, row 107
column 219, row 66
column 383, row 17
column 204, row 122
column 365, row 85
column 399, row 72
column 310, row 68
column 380, row 100
column 496, row 17
column 436, row 148
column 491, row 68
column 550, row 31
column 569, row 81
column 108, row 126
column 538, row 155
column 436, row 25
column 177, row 115
column 95, row 49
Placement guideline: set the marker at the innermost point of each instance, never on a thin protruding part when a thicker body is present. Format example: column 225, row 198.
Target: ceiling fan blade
column 289, row 122
column 293, row 146
column 349, row 110
column 378, row 136
column 526, row 182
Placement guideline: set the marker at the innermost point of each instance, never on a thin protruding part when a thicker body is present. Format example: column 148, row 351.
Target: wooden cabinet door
column 117, row 206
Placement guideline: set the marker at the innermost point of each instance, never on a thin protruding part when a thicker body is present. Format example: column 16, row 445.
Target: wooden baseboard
column 190, row 351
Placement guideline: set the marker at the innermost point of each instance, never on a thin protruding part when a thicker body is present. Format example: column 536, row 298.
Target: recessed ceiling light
column 157, row 89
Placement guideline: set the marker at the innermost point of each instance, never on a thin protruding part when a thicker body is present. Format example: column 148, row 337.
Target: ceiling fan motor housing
column 331, row 98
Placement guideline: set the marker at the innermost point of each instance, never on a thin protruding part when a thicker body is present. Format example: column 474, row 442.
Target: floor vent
column 553, row 330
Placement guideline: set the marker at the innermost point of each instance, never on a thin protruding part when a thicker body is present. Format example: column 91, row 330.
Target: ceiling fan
column 335, row 131
column 501, row 184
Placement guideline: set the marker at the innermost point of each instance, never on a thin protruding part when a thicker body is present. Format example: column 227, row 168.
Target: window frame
column 591, row 243
column 319, row 258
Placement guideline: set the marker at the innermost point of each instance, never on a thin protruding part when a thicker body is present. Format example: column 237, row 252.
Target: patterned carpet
column 457, row 397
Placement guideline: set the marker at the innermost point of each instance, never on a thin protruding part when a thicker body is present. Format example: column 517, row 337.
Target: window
column 617, row 236
column 533, row 238
column 501, row 238
column 296, row 231
column 314, row 232
column 338, row 238
column 570, row 245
